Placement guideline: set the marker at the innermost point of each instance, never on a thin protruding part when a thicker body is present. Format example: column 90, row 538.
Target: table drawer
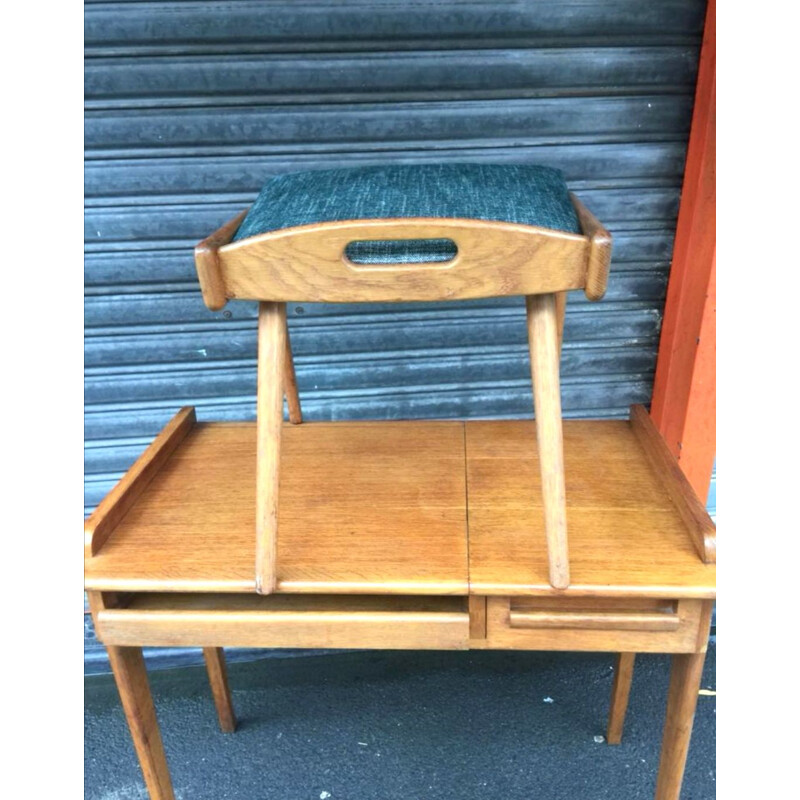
column 317, row 621
column 641, row 625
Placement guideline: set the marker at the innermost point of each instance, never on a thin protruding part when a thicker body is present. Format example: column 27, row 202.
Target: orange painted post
column 700, row 424
column 684, row 394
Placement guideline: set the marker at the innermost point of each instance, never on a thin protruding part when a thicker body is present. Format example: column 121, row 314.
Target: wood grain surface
column 381, row 507
column 599, row 251
column 687, row 671
column 626, row 536
column 545, row 349
column 699, row 524
column 206, row 259
column 111, row 510
column 620, row 693
column 308, row 263
column 220, row 690
column 130, row 674
column 364, row 507
column 272, row 355
column 501, row 634
column 289, row 621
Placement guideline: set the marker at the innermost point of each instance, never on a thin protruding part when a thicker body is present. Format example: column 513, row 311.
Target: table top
column 427, row 508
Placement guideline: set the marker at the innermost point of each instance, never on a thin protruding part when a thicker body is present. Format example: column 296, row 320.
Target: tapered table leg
column 687, row 670
column 128, row 667
column 218, row 678
column 623, row 675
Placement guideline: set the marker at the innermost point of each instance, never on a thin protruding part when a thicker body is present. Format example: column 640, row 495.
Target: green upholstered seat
column 526, row 194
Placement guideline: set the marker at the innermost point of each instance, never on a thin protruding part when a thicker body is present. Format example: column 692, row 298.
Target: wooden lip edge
column 206, row 260
column 576, row 590
column 599, row 259
column 701, row 528
column 444, row 588
column 479, row 588
column 113, row 507
column 159, row 585
column 246, row 586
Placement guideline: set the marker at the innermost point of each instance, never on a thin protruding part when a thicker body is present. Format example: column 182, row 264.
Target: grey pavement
column 391, row 725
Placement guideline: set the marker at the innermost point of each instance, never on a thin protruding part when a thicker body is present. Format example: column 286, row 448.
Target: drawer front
column 624, row 625
column 440, row 623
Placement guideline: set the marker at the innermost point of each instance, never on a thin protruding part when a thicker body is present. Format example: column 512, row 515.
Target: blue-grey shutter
column 192, row 105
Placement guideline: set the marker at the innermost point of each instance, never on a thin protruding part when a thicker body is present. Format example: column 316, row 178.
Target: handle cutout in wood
column 387, row 253
column 309, row 263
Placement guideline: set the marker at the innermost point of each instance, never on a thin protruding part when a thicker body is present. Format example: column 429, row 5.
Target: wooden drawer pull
column 588, row 620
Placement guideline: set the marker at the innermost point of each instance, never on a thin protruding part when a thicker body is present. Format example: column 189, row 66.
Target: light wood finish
column 375, row 507
column 544, row 349
column 97, row 601
column 113, row 507
column 128, row 667
column 700, row 526
column 308, row 263
column 620, row 692
column 272, row 359
column 558, row 604
column 290, row 384
column 531, row 619
column 502, row 635
column 477, row 617
column 626, row 535
column 363, row 529
column 181, row 620
column 561, row 312
column 599, row 251
column 705, row 626
column 687, row 671
column 218, row 680
column 206, row 259
column 608, row 613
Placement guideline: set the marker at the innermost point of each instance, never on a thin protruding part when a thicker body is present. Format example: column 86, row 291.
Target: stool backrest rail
column 493, row 259
column 310, row 264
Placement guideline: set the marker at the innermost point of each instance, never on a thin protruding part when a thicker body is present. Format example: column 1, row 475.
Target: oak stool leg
column 684, row 684
column 218, row 678
column 620, row 691
column 290, row 384
column 561, row 311
column 127, row 664
column 542, row 317
column 272, row 353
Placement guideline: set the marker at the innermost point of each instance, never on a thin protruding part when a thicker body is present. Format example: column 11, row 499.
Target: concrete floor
column 384, row 725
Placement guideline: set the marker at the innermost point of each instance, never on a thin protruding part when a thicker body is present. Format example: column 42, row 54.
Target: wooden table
column 405, row 535
column 446, row 535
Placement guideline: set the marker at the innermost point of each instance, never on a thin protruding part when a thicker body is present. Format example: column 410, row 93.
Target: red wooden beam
column 684, row 394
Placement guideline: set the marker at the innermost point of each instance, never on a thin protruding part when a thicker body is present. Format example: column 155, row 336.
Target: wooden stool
column 412, row 534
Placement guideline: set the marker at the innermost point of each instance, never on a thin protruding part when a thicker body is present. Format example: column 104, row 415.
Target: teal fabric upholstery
column 526, row 194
